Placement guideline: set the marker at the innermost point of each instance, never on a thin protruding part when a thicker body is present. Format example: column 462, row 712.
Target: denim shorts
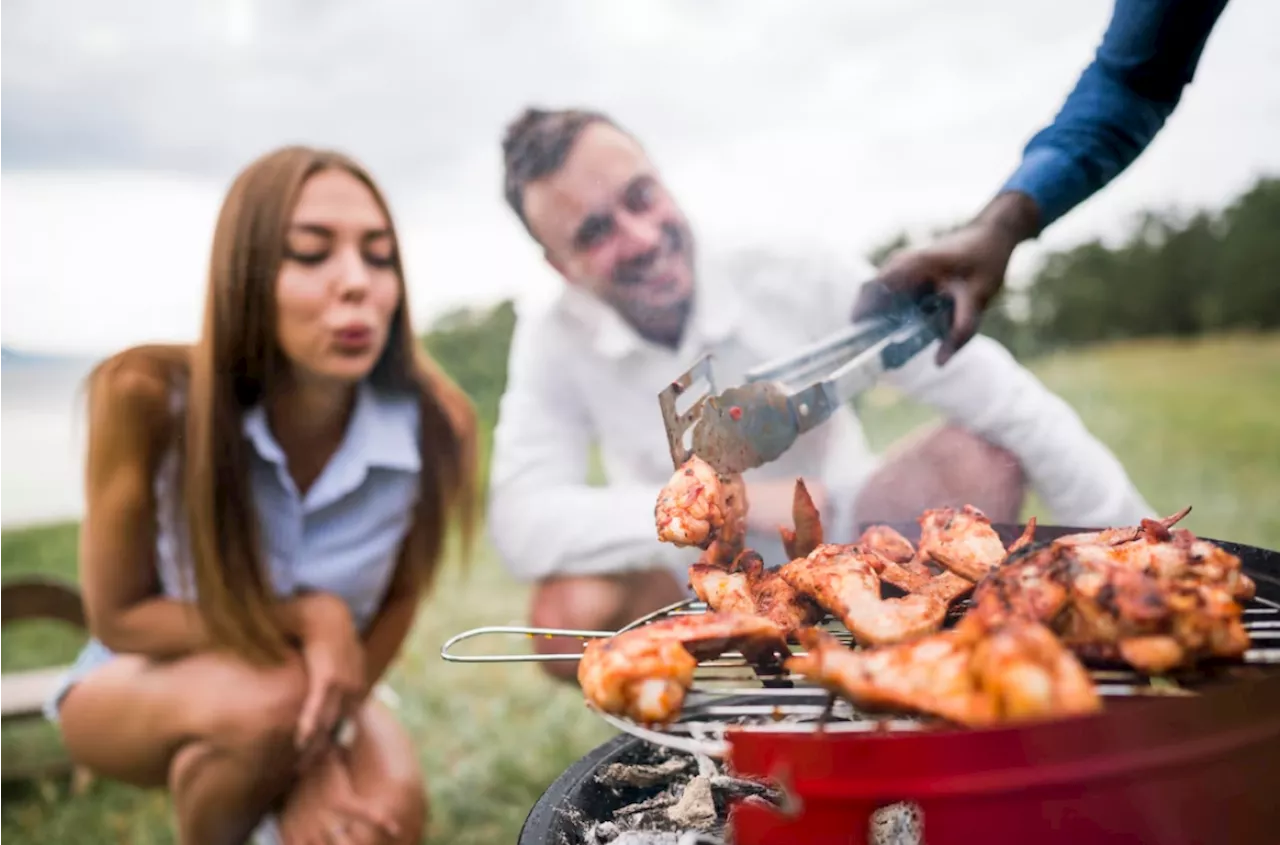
column 92, row 656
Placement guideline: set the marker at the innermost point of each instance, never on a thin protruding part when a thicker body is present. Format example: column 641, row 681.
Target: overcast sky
column 796, row 125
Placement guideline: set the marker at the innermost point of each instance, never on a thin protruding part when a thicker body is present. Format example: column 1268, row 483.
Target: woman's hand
column 334, row 661
column 324, row 809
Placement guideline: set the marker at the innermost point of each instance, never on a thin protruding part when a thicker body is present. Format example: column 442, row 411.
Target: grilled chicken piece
column 1118, row 536
column 1177, row 555
column 904, row 569
column 807, row 534
column 844, row 580
column 699, row 506
column 968, row 675
column 962, row 540
column 1159, row 602
column 644, row 673
column 722, row 589
column 889, row 544
column 1028, row 536
column 751, row 588
column 775, row 599
column 1032, row 585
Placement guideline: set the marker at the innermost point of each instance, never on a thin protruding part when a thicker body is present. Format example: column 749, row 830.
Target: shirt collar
column 382, row 432
column 716, row 312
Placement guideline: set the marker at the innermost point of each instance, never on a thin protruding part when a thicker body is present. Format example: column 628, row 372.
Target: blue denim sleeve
column 1148, row 55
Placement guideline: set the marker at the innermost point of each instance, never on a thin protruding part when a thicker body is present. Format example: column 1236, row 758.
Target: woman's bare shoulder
column 133, row 389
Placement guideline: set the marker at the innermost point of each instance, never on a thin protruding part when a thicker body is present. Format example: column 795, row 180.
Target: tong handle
column 518, row 631
column 936, row 315
column 676, row 608
column 927, row 318
column 860, row 354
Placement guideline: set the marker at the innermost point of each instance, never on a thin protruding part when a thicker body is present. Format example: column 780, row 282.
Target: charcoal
column 897, row 824
column 637, row 837
column 696, row 807
column 730, row 787
column 642, row 775
column 657, row 802
column 601, row 833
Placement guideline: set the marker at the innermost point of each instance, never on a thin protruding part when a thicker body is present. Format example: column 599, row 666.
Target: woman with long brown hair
column 264, row 512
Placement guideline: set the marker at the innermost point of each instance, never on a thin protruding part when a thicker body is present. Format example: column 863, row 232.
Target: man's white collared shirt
column 578, row 375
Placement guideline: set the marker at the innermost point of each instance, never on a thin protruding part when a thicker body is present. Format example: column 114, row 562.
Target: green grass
column 1195, row 423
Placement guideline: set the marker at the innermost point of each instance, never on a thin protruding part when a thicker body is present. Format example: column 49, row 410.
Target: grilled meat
column 751, row 588
column 807, row 534
column 721, row 588
column 1119, row 536
column 889, row 544
column 1031, row 585
column 700, row 506
column 775, row 599
column 844, row 580
column 969, row 675
column 645, row 672
column 904, row 568
column 1178, row 555
column 1159, row 600
column 962, row 540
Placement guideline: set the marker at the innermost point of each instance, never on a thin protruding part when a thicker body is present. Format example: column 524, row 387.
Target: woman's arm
column 129, row 428
column 386, row 634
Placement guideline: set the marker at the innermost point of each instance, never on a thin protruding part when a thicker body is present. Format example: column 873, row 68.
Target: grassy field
column 1196, row 423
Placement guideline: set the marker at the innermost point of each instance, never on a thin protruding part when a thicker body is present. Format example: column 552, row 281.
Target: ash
column 686, row 801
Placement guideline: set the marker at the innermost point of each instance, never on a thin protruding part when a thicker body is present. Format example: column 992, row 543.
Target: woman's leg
column 216, row 730
column 386, row 776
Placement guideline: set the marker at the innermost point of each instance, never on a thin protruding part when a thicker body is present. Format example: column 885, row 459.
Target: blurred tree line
column 1172, row 276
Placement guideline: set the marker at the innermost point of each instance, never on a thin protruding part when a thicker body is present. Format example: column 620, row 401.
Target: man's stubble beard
column 666, row 325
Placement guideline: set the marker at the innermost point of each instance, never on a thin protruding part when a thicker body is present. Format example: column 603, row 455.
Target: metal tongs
column 754, row 423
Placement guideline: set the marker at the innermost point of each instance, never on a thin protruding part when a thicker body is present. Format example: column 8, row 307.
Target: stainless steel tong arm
column 821, row 377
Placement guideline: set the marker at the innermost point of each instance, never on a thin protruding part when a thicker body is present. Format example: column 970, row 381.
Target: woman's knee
column 257, row 710
column 406, row 797
column 386, row 771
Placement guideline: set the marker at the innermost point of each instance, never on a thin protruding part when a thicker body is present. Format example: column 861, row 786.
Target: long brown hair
column 234, row 364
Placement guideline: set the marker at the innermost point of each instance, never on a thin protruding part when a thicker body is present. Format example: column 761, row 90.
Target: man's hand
column 334, row 661
column 967, row 265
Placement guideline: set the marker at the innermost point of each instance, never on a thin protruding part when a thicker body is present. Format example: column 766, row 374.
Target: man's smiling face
column 607, row 224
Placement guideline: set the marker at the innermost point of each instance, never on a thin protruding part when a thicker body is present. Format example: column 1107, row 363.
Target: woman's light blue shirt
column 342, row 537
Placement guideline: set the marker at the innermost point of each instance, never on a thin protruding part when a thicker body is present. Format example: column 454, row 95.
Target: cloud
column 804, row 125
column 416, row 88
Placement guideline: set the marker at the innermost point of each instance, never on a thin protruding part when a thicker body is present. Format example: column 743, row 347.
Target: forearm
column 160, row 628
column 984, row 390
column 1148, row 55
column 166, row 628
column 386, row 635
column 542, row 530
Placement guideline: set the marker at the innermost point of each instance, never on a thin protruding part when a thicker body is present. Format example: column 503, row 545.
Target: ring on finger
column 344, row 733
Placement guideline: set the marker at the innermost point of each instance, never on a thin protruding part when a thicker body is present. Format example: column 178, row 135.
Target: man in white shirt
column 587, row 364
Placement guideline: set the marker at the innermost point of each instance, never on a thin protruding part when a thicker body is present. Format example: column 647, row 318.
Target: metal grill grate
column 728, row 693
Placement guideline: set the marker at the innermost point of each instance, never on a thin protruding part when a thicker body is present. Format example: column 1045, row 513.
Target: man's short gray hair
column 536, row 144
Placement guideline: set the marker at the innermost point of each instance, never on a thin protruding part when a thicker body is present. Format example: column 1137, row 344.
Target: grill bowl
column 1180, row 769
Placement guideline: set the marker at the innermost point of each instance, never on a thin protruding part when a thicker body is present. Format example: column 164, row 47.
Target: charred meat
column 970, row 675
column 844, row 581
column 748, row 587
column 700, row 506
column 644, row 673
